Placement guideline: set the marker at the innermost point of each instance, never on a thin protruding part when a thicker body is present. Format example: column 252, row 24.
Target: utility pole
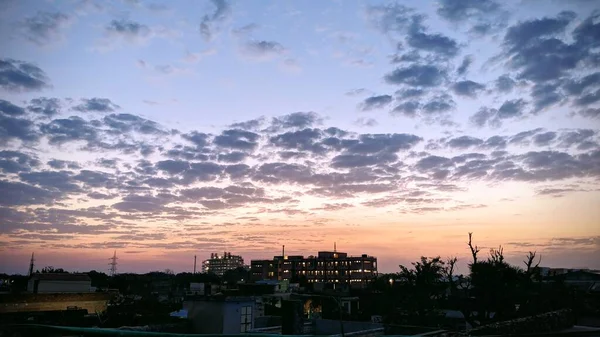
column 194, row 264
column 31, row 265
column 113, row 264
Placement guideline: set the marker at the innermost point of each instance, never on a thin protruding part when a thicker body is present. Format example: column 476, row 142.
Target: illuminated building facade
column 327, row 267
column 219, row 264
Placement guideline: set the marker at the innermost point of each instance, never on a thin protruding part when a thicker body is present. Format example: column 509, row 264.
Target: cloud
column 9, row 109
column 237, row 139
column 298, row 120
column 15, row 162
column 438, row 104
column 261, row 50
column 461, row 10
column 389, row 18
column 464, row 142
column 12, row 128
column 511, row 108
column 544, row 139
column 209, row 23
column 464, row 65
column 504, row 84
column 376, row 102
column 47, row 107
column 365, row 122
column 417, row 75
column 437, row 44
column 20, row 76
column 467, row 88
column 96, row 105
column 20, row 194
column 408, row 108
column 44, row 27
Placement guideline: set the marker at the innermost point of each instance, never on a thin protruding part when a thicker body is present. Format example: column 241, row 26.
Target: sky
column 167, row 129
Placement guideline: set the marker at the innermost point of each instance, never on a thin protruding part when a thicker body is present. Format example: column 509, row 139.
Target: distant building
column 327, row 267
column 59, row 283
column 219, row 264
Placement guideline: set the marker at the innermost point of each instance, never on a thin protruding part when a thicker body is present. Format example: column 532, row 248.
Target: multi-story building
column 327, row 267
column 219, row 264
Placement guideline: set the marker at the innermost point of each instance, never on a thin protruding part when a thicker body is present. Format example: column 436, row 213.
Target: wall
column 332, row 327
column 206, row 316
column 47, row 286
column 233, row 315
column 48, row 302
column 547, row 322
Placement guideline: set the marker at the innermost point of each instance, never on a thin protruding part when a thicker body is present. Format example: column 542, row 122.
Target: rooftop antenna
column 31, row 264
column 113, row 264
column 194, row 264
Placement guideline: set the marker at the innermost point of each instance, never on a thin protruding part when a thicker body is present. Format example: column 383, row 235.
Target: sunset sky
column 168, row 129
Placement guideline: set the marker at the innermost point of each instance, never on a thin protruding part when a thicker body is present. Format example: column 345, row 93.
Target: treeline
column 492, row 291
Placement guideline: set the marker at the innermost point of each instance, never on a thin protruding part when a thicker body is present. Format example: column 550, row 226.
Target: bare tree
column 497, row 255
column 474, row 250
column 529, row 262
column 449, row 270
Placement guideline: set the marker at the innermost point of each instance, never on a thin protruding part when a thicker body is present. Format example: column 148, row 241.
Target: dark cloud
column 519, row 35
column 209, row 22
column 127, row 28
column 45, row 106
column 408, row 108
column 545, row 95
column 544, row 139
column 588, row 99
column 524, row 137
column 464, row 142
column 578, row 86
column 44, row 27
column 304, row 140
column 252, row 124
column 59, row 181
column 173, row 167
column 511, row 108
column 96, row 179
column 141, row 203
column 376, row 102
column 439, row 104
column 464, row 66
column 389, row 18
column 299, row 120
column 378, row 143
column 237, row 139
column 19, row 194
column 15, row 162
column 494, row 142
column 437, row 44
column 232, row 157
column 482, row 116
column 504, row 84
column 96, row 105
column 357, row 160
column 417, row 75
column 12, row 128
column 366, row 122
column 568, row 139
column 461, row 10
column 467, row 88
column 20, row 76
column 262, row 50
column 74, row 128
column 63, row 164
column 9, row 109
column 125, row 123
column 409, row 93
column 198, row 138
